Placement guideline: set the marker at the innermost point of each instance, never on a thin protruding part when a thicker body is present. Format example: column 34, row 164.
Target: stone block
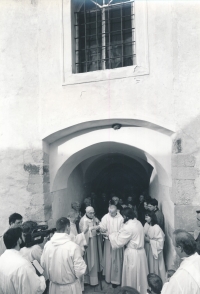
column 48, row 198
column 35, row 188
column 46, row 187
column 183, row 160
column 184, row 191
column 37, row 156
column 183, row 173
column 35, row 179
column 46, row 158
column 35, row 213
column 185, row 217
column 45, row 169
column 37, row 199
column 48, row 212
column 46, row 178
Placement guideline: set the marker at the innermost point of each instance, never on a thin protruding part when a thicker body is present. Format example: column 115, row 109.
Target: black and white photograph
column 99, row 147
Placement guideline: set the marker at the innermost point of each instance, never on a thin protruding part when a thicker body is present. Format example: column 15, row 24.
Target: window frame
column 68, row 46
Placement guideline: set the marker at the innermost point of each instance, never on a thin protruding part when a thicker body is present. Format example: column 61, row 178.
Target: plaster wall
column 35, row 104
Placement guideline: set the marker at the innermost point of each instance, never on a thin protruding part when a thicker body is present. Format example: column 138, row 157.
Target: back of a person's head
column 186, row 241
column 128, row 290
column 128, row 212
column 155, row 282
column 61, row 224
column 13, row 217
column 11, row 237
column 28, row 227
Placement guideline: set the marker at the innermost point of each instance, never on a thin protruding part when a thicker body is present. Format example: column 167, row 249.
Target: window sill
column 103, row 75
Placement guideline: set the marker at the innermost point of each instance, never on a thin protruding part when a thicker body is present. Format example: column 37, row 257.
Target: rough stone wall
column 24, row 186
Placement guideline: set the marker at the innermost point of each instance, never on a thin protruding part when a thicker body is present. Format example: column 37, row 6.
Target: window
column 104, row 35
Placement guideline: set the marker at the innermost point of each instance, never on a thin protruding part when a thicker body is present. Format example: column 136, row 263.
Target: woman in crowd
column 154, row 243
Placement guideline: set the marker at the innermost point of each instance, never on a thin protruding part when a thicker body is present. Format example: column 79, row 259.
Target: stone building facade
column 56, row 125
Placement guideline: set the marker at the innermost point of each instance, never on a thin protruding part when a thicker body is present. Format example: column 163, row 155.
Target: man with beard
column 112, row 259
column 93, row 253
column 135, row 268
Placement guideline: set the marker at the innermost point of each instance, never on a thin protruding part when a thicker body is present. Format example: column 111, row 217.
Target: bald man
column 93, row 253
column 112, row 259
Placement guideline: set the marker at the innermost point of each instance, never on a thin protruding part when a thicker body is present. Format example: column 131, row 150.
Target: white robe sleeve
column 119, row 239
column 79, row 240
column 79, row 264
column 103, row 223
column 29, row 282
column 181, row 283
column 157, row 242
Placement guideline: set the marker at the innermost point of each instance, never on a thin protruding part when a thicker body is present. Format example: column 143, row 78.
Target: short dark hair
column 153, row 202
column 152, row 215
column 186, row 241
column 170, row 273
column 147, row 199
column 128, row 212
column 62, row 223
column 155, row 283
column 128, row 290
column 13, row 217
column 11, row 237
column 28, row 227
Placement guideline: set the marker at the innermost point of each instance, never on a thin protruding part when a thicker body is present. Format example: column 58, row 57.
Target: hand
column 95, row 228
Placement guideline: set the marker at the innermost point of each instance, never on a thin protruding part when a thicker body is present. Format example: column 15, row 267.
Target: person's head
column 128, row 214
column 198, row 218
column 28, row 227
column 151, row 218
column 128, row 290
column 115, row 199
column 152, row 204
column 87, row 201
column 90, row 212
column 170, row 273
column 75, row 205
column 155, row 284
column 146, row 201
column 112, row 210
column 141, row 198
column 184, row 243
column 73, row 216
column 129, row 199
column 15, row 220
column 121, row 201
column 13, row 238
column 63, row 225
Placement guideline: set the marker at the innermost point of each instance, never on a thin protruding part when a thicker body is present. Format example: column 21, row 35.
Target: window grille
column 105, row 35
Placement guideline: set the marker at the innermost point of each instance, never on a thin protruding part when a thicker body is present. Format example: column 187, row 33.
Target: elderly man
column 15, row 220
column 17, row 275
column 186, row 279
column 93, row 254
column 62, row 261
column 112, row 259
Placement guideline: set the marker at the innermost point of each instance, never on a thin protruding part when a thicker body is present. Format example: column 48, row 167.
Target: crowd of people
column 114, row 239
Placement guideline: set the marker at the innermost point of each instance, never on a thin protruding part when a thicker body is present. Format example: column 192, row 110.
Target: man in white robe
column 112, row 258
column 135, row 269
column 186, row 279
column 93, row 253
column 62, row 261
column 15, row 220
column 17, row 275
